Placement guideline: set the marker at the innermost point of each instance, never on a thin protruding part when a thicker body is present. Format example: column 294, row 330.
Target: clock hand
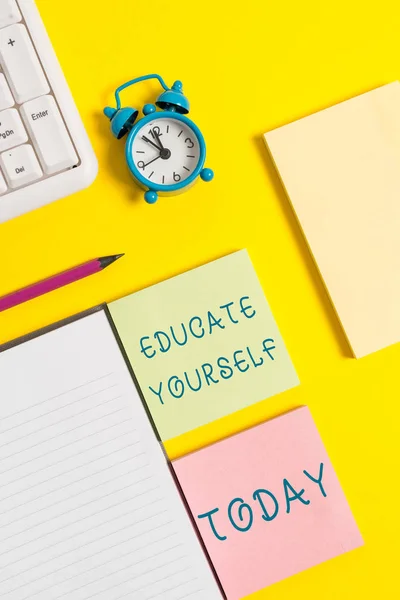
column 149, row 163
column 157, row 136
column 146, row 139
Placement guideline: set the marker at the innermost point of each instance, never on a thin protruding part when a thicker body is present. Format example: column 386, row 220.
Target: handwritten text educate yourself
column 208, row 373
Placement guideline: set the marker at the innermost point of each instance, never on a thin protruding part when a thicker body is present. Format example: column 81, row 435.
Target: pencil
column 57, row 281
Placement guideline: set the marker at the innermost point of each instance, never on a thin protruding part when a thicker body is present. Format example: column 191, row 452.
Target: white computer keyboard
column 45, row 153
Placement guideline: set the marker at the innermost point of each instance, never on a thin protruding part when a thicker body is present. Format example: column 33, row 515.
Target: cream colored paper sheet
column 341, row 171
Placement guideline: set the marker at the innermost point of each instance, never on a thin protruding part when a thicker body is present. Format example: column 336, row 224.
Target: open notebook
column 88, row 506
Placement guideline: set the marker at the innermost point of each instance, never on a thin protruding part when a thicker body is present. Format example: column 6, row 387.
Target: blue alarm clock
column 165, row 151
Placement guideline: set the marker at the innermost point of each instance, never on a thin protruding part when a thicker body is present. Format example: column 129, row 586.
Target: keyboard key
column 12, row 131
column 20, row 166
column 3, row 185
column 6, row 99
column 9, row 13
column 49, row 134
column 21, row 64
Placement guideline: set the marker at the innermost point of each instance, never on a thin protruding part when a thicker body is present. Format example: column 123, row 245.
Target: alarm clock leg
column 207, row 174
column 151, row 197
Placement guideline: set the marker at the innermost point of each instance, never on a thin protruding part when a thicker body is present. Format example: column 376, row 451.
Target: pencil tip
column 105, row 261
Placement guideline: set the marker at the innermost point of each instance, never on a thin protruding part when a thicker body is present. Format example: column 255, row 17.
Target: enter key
column 49, row 134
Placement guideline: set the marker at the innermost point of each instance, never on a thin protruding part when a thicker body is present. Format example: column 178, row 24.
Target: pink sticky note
column 267, row 503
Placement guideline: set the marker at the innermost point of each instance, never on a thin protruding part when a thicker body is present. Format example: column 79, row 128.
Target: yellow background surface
column 246, row 68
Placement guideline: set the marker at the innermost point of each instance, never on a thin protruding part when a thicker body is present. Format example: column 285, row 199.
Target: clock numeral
column 156, row 129
column 189, row 142
column 176, row 176
column 141, row 165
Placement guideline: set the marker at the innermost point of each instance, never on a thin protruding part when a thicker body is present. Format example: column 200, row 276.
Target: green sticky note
column 203, row 344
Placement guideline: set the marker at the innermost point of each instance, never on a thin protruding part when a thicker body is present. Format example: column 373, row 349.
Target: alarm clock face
column 165, row 151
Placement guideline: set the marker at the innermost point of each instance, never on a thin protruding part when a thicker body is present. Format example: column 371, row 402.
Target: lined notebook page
column 88, row 508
